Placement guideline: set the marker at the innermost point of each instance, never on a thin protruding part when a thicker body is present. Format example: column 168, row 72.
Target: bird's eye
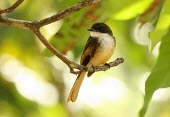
column 99, row 28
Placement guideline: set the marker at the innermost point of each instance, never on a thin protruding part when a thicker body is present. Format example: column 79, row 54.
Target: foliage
column 23, row 57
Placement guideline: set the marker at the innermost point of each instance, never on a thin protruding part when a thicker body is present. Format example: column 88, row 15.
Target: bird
column 97, row 51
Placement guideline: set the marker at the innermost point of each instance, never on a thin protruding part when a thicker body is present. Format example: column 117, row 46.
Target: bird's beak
column 90, row 29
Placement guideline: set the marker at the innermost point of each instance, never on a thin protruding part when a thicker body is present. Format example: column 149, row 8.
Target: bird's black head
column 100, row 27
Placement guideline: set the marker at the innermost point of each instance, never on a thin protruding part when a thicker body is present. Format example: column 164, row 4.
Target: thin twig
column 11, row 8
column 105, row 66
column 17, row 23
column 35, row 27
column 99, row 68
column 62, row 14
column 70, row 64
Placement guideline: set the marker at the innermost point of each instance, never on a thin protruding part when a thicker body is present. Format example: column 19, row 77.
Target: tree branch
column 12, row 8
column 69, row 63
column 35, row 27
column 62, row 14
column 105, row 66
column 17, row 23
column 73, row 65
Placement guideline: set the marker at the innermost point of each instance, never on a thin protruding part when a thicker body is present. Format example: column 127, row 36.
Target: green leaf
column 162, row 24
column 160, row 75
column 132, row 10
column 151, row 14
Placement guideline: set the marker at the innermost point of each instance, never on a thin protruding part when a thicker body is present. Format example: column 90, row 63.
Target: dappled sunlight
column 108, row 89
column 51, row 29
column 34, row 82
column 155, row 50
column 161, row 94
column 107, row 96
column 27, row 82
column 42, row 92
column 142, row 81
column 140, row 33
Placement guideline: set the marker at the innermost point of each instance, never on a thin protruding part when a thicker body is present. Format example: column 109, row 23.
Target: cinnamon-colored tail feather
column 75, row 89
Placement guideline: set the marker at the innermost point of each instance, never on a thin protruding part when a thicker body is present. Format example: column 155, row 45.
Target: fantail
column 98, row 50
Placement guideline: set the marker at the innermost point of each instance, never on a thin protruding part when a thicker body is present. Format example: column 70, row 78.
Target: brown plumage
column 99, row 48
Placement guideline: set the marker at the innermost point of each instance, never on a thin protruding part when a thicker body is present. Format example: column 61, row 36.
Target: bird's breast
column 104, row 51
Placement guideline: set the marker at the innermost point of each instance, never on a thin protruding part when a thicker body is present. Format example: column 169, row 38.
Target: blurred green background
column 35, row 83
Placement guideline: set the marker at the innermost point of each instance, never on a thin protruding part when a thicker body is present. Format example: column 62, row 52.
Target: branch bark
column 17, row 23
column 62, row 14
column 69, row 63
column 12, row 8
column 105, row 66
column 35, row 27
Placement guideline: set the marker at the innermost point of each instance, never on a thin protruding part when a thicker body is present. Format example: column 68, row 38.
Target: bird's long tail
column 76, row 87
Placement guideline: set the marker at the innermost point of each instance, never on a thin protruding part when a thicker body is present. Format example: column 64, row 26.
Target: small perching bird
column 98, row 50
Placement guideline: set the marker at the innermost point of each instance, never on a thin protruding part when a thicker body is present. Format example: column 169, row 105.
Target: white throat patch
column 106, row 40
column 95, row 34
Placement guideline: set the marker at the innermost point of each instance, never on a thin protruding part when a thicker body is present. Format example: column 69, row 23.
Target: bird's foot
column 107, row 65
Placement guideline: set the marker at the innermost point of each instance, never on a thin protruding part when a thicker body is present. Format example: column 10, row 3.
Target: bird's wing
column 89, row 50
